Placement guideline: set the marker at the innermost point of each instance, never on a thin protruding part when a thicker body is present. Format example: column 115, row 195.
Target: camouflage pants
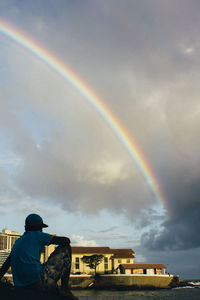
column 57, row 267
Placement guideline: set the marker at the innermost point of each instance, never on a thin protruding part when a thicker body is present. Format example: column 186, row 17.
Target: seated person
column 24, row 259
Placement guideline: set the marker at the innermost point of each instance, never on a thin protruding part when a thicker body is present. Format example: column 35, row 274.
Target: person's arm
column 59, row 240
column 5, row 267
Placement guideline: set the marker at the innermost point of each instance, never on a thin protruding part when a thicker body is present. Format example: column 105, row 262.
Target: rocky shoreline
column 184, row 283
column 9, row 292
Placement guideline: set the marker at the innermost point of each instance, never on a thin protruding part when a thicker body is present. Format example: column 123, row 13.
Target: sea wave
column 195, row 283
column 191, row 285
column 184, row 287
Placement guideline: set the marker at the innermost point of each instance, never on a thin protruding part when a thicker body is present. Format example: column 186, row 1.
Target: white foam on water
column 184, row 287
column 196, row 283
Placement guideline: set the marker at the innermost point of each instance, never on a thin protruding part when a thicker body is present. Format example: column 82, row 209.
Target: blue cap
column 34, row 220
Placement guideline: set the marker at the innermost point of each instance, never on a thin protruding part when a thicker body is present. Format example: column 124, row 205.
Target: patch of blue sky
column 105, row 228
column 38, row 125
column 11, row 220
column 9, row 161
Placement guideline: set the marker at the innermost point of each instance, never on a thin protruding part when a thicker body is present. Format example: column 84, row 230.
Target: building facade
column 8, row 238
column 112, row 258
column 3, row 255
column 149, row 269
column 122, row 256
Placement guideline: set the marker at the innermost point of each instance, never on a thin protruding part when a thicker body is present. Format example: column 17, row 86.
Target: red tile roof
column 143, row 266
column 123, row 253
column 117, row 253
column 91, row 250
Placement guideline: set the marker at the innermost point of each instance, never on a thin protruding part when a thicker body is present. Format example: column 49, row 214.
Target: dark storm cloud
column 181, row 230
column 181, row 174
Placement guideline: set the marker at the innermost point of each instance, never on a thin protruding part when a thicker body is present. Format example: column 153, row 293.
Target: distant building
column 3, row 255
column 8, row 238
column 112, row 259
column 122, row 256
column 149, row 269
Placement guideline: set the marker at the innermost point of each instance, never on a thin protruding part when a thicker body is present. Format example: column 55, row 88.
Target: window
column 77, row 263
column 105, row 264
column 3, row 242
column 128, row 261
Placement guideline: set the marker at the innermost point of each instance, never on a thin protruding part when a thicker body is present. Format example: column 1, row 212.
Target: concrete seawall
column 135, row 281
column 81, row 281
column 123, row 281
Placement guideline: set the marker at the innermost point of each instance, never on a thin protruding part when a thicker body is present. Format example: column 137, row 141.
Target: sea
column 179, row 293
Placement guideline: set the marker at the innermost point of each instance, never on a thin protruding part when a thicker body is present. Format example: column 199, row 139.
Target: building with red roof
column 112, row 258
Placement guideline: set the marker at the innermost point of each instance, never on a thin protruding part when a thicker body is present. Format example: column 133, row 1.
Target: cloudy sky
column 58, row 156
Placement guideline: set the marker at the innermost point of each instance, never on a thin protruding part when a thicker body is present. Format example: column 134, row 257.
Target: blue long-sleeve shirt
column 25, row 257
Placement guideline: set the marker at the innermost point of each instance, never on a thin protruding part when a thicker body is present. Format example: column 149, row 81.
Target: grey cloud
column 103, row 230
column 181, row 230
column 142, row 58
column 114, row 236
column 60, row 180
column 108, row 229
column 179, row 171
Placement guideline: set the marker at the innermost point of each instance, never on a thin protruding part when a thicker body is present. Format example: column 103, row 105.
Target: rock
column 9, row 292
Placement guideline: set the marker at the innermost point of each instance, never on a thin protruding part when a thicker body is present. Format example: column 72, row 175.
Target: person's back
column 25, row 260
column 25, row 257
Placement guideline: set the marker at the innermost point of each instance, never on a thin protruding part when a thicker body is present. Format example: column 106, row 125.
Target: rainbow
column 65, row 72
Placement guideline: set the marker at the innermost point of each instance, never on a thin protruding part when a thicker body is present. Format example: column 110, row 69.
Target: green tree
column 92, row 261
